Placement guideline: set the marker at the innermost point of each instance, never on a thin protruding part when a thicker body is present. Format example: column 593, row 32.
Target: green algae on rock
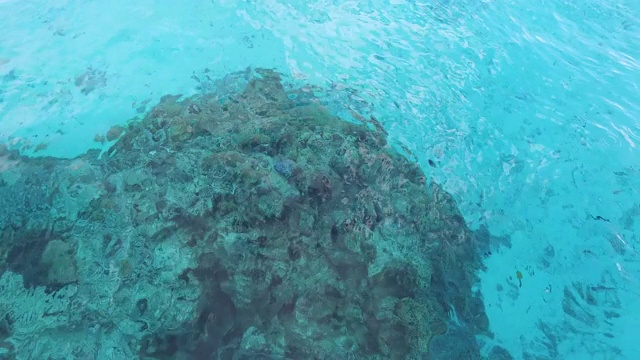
column 249, row 225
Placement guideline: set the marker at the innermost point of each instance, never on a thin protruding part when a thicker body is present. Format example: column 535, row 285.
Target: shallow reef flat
column 243, row 223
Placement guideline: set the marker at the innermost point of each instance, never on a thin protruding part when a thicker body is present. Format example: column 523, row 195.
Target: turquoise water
column 528, row 110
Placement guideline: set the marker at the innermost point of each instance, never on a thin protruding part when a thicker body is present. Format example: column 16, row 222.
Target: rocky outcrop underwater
column 244, row 223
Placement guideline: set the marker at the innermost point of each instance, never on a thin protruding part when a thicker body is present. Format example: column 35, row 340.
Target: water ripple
column 530, row 109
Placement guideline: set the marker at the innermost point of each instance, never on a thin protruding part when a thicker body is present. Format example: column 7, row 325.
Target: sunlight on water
column 526, row 113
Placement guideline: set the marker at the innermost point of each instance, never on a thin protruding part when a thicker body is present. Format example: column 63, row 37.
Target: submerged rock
column 252, row 227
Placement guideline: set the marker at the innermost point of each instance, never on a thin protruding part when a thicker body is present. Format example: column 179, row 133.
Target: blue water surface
column 527, row 110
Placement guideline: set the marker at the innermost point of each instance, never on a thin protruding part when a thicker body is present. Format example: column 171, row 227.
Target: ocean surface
column 527, row 112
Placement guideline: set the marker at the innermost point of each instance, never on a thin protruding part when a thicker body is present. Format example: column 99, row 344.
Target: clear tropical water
column 526, row 112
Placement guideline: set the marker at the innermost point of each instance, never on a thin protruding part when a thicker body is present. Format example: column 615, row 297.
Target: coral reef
column 243, row 223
